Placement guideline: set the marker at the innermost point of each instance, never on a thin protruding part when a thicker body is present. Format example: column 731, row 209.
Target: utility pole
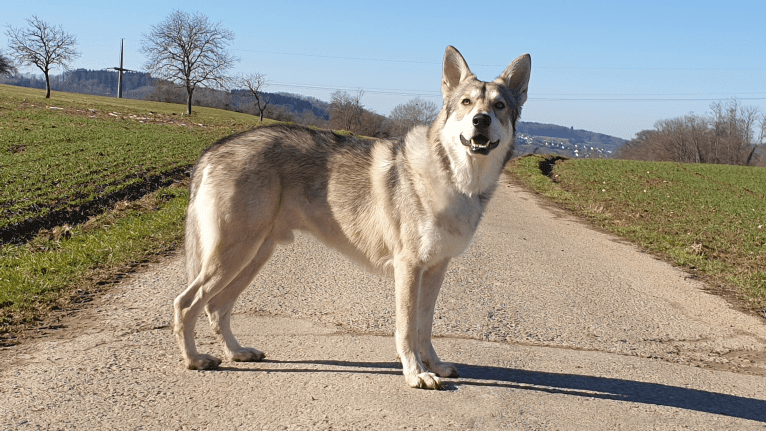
column 120, row 70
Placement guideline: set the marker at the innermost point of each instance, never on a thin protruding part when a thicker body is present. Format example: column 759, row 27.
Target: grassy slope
column 52, row 159
column 710, row 219
column 62, row 160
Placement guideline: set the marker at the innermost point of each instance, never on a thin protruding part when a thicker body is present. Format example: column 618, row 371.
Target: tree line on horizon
column 344, row 112
column 186, row 55
column 730, row 133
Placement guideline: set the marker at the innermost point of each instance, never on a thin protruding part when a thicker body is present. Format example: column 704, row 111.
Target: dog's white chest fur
column 449, row 231
column 451, row 215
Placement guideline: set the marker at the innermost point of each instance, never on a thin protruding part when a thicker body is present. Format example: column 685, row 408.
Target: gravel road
column 553, row 325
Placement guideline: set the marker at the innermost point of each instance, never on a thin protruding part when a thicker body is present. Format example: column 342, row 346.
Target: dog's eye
column 499, row 105
column 466, row 101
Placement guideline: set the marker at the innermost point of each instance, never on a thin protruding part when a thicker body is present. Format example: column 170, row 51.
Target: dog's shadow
column 567, row 384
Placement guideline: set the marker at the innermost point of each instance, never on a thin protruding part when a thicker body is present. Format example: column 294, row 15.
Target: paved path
column 553, row 324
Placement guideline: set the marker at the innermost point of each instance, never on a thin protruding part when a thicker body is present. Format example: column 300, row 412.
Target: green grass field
column 66, row 152
column 72, row 154
column 709, row 219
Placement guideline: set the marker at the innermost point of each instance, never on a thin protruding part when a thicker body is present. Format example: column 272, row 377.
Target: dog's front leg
column 429, row 290
column 408, row 277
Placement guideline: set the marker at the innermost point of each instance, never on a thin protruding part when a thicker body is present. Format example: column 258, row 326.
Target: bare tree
column 254, row 83
column 643, row 147
column 373, row 125
column 407, row 115
column 760, row 141
column 42, row 45
column 6, row 65
column 346, row 110
column 189, row 51
column 730, row 134
column 749, row 118
column 735, row 138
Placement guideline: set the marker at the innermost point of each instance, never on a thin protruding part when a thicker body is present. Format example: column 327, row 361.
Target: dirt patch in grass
column 24, row 231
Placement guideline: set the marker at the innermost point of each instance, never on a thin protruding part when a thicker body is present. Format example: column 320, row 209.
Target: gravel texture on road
column 553, row 325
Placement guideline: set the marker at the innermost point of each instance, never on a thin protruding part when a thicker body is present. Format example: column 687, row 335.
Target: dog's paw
column 443, row 369
column 424, row 381
column 247, row 354
column 203, row 362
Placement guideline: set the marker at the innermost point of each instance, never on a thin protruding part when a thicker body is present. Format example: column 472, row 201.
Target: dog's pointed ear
column 454, row 71
column 516, row 77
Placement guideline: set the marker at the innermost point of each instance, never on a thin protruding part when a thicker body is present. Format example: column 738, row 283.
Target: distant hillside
column 532, row 137
column 295, row 103
column 83, row 81
column 574, row 136
column 566, row 141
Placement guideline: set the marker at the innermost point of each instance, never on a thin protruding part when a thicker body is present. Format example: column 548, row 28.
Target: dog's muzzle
column 479, row 144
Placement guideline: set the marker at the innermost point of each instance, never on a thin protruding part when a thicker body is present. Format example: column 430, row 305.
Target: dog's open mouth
column 479, row 144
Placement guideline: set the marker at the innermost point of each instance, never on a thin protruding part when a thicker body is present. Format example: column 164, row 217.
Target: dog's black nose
column 481, row 120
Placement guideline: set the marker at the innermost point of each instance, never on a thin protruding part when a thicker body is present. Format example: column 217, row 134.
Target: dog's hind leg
column 188, row 305
column 429, row 291
column 226, row 231
column 218, row 309
column 222, row 258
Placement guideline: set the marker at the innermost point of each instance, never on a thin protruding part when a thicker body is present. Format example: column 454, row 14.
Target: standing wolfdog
column 400, row 207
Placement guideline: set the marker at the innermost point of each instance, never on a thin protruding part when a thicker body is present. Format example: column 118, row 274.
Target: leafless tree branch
column 6, row 65
column 730, row 134
column 346, row 110
column 42, row 45
column 407, row 115
column 189, row 51
column 254, row 83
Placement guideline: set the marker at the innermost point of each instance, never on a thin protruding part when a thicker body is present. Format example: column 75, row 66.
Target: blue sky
column 609, row 67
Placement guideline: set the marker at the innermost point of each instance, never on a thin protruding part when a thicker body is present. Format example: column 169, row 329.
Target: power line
column 563, row 99
column 542, row 97
column 396, row 92
column 336, row 57
column 389, row 60
column 725, row 94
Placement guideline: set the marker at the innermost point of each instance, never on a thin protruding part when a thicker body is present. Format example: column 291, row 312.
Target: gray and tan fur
column 400, row 207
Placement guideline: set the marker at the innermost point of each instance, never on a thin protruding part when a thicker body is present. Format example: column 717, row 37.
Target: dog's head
column 482, row 115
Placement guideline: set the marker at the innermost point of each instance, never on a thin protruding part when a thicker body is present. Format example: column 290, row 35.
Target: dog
column 398, row 207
